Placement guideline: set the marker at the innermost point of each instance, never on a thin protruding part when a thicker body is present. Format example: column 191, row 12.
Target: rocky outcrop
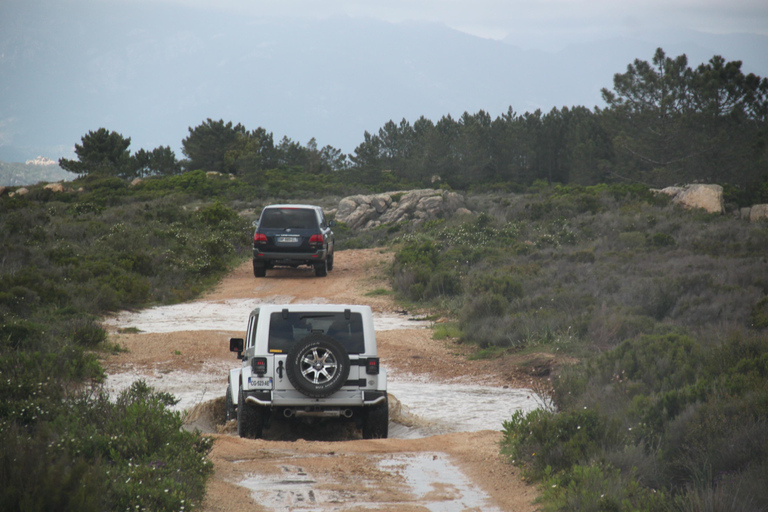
column 758, row 212
column 56, row 187
column 19, row 192
column 369, row 211
column 706, row 197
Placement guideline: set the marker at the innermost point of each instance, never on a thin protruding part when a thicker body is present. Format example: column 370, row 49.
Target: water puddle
column 189, row 388
column 438, row 485
column 419, row 409
column 429, row 482
column 228, row 315
column 438, row 408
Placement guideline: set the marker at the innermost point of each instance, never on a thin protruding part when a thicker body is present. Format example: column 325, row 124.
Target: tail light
column 259, row 365
column 372, row 366
column 316, row 240
column 259, row 238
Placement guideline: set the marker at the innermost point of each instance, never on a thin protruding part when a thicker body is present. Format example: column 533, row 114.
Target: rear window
column 284, row 218
column 284, row 332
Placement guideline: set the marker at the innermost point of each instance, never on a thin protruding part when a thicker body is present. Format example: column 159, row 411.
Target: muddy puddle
column 424, row 408
column 228, row 315
column 421, row 409
column 438, row 408
column 427, row 481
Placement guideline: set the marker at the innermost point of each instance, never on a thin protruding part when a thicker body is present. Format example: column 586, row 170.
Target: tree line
column 664, row 123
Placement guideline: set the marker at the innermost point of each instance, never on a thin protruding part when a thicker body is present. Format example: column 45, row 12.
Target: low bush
column 131, row 454
column 599, row 487
column 668, row 412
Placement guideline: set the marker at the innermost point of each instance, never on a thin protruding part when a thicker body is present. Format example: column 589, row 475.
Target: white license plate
column 260, row 382
column 288, row 239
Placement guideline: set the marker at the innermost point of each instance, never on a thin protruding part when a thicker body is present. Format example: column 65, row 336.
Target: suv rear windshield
column 284, row 218
column 284, row 332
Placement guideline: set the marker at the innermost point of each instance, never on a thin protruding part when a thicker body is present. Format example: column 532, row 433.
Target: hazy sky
column 538, row 21
column 152, row 68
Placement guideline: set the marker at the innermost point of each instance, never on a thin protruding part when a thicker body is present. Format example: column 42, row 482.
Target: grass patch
column 446, row 330
column 379, row 292
column 129, row 330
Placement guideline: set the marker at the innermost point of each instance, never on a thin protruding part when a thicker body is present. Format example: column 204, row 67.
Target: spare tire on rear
column 317, row 366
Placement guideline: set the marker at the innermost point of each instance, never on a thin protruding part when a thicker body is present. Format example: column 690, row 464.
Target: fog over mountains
column 151, row 72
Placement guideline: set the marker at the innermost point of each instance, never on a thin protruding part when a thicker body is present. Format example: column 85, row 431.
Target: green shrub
column 418, row 254
column 758, row 317
column 661, row 240
column 50, row 479
column 503, row 284
column 17, row 333
column 487, row 304
column 491, row 331
column 597, row 488
column 129, row 454
column 85, row 332
column 216, row 214
column 540, row 439
column 442, row 283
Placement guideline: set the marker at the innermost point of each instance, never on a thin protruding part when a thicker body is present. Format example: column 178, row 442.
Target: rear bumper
column 291, row 398
column 289, row 258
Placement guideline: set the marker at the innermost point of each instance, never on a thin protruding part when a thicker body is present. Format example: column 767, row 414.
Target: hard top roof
column 296, row 206
column 320, row 308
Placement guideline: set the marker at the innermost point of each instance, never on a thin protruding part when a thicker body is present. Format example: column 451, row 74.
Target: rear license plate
column 288, row 239
column 260, row 382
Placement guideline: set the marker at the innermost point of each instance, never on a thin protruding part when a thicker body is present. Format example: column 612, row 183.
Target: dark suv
column 289, row 235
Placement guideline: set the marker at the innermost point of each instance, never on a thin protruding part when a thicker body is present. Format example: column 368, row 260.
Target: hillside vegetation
column 666, row 311
column 66, row 259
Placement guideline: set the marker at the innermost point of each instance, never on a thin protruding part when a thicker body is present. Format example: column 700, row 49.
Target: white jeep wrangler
column 308, row 362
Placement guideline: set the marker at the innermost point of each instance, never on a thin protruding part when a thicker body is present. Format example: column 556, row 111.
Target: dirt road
column 328, row 469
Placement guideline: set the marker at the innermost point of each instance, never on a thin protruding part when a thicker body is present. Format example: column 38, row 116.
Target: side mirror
column 331, row 223
column 255, row 223
column 236, row 345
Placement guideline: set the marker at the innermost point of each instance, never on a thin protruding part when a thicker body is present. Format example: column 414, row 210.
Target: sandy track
column 457, row 471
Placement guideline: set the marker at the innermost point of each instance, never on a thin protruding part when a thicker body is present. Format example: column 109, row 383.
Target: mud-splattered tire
column 376, row 423
column 250, row 418
column 317, row 366
column 229, row 405
column 330, row 262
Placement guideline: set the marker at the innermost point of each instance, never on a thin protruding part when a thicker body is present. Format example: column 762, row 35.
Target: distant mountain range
column 15, row 174
column 151, row 72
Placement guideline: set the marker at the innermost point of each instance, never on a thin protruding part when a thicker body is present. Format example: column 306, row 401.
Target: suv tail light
column 259, row 365
column 316, row 240
column 372, row 366
column 259, row 238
